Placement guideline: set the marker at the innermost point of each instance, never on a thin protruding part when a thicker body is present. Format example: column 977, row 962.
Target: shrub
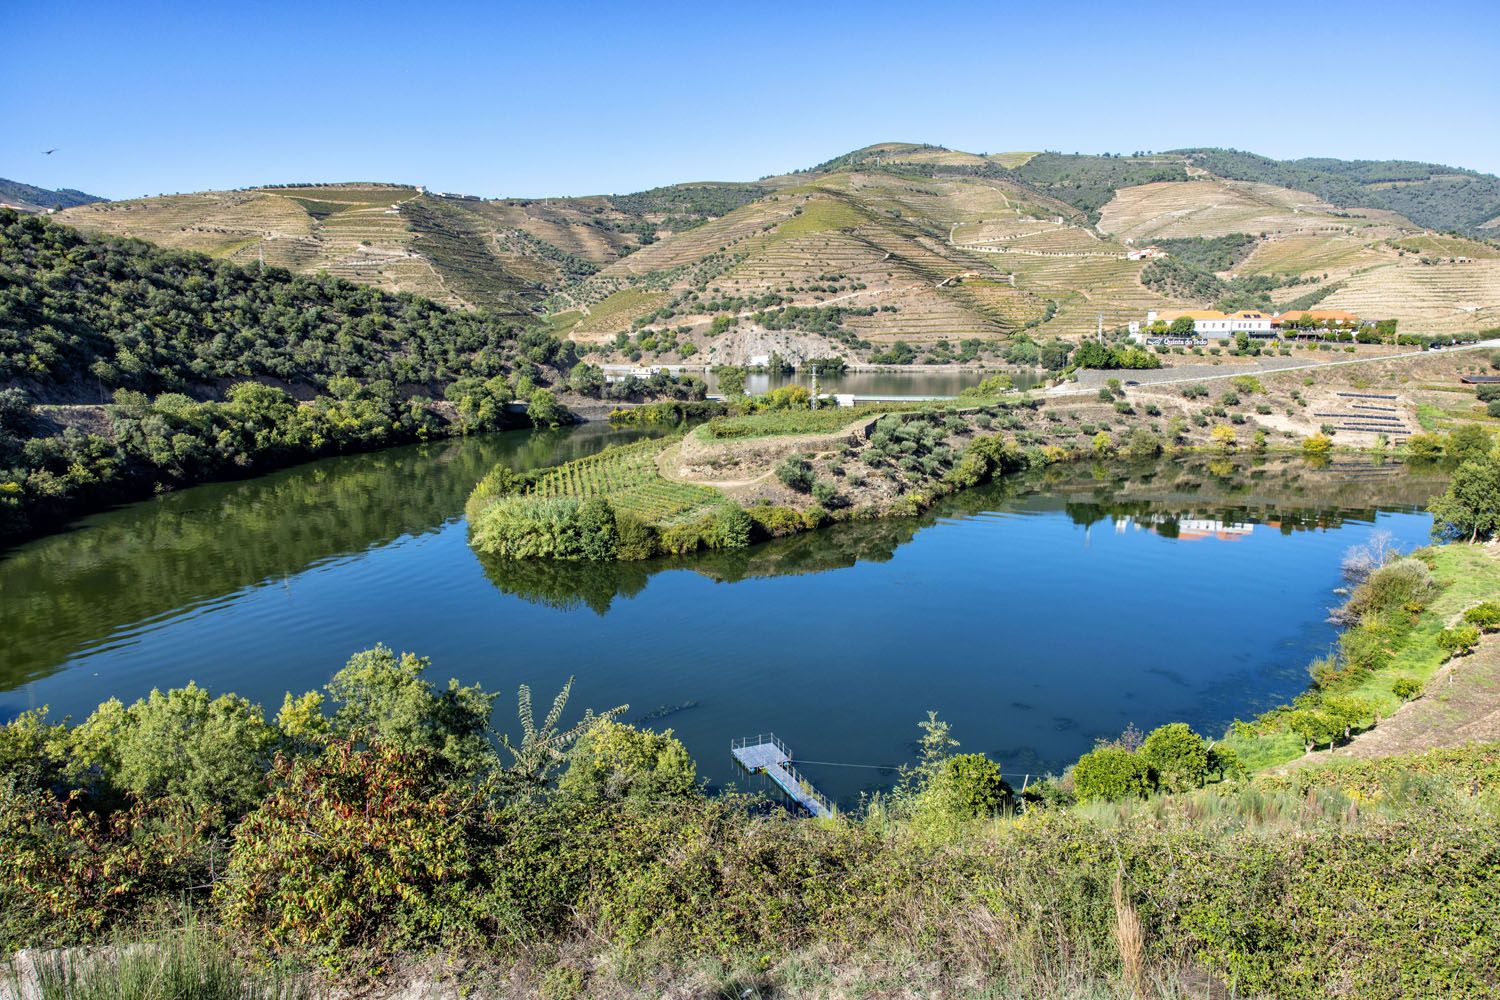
column 1317, row 446
column 1142, row 443
column 355, row 849
column 1109, row 773
column 1425, row 447
column 209, row 754
column 533, row 527
column 613, row 761
column 634, row 538
column 1485, row 617
column 1459, row 640
column 1391, row 587
column 796, row 473
column 1406, row 688
column 824, row 492
column 968, row 786
column 777, row 522
column 1177, row 757
column 1248, row 384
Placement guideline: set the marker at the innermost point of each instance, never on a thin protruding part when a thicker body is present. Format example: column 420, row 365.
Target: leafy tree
column 731, row 380
column 544, row 410
column 612, row 761
column 1313, row 727
column 1111, row 772
column 208, row 753
column 1469, row 441
column 1223, row 437
column 1181, row 328
column 1470, row 507
column 1177, row 756
column 389, row 699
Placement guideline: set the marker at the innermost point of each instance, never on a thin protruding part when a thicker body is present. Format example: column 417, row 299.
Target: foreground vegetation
column 379, row 818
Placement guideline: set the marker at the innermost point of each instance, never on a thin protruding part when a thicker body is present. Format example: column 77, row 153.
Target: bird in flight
column 49, row 152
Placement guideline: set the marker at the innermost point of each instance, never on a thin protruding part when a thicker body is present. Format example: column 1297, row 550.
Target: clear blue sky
column 565, row 99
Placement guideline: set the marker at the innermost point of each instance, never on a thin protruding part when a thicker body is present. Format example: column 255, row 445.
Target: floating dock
column 765, row 754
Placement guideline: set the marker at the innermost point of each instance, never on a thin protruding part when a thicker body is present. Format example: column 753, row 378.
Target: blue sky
column 567, row 99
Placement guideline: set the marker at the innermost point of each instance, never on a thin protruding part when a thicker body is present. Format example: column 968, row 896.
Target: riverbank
column 621, row 879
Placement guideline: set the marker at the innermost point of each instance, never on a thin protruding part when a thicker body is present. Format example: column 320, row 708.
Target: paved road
column 1089, row 381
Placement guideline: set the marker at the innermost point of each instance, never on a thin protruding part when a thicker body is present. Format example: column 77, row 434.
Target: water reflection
column 67, row 593
column 1186, row 499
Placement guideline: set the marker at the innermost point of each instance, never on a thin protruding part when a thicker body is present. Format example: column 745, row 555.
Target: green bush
column 534, row 527
column 1109, row 773
column 796, row 473
column 1177, row 756
column 1459, row 640
column 1406, row 688
column 1485, row 617
column 613, row 761
column 357, row 849
column 967, row 786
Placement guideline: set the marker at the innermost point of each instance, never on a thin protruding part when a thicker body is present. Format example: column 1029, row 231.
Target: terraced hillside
column 458, row 250
column 893, row 243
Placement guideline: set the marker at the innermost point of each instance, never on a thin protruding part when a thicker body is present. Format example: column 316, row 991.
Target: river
column 1034, row 615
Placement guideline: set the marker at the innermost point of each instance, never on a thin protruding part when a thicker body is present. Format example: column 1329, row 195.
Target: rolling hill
column 895, row 242
column 29, row 198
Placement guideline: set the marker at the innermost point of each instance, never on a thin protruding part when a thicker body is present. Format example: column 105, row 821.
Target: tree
column 1111, row 772
column 209, row 753
column 1223, row 438
column 967, row 786
column 1312, row 727
column 612, row 761
column 1470, row 507
column 1181, row 327
column 1178, row 757
column 386, row 698
column 731, row 380
column 544, row 410
column 1469, row 441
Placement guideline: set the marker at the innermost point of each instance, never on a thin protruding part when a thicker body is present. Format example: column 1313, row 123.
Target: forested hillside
column 31, row 196
column 94, row 321
column 1429, row 194
column 82, row 311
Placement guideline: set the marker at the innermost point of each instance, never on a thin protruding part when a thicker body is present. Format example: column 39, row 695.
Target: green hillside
column 1430, row 194
column 28, row 196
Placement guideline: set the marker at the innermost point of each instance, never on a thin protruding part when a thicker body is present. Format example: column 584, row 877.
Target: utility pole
column 815, row 387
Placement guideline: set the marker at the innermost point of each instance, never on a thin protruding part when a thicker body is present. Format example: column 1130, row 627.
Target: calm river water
column 1034, row 616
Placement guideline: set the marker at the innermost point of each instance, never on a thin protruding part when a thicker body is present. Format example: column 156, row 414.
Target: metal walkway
column 765, row 754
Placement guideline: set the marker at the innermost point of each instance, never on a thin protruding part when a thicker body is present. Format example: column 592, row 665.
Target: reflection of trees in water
column 1285, row 491
column 187, row 548
column 569, row 585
